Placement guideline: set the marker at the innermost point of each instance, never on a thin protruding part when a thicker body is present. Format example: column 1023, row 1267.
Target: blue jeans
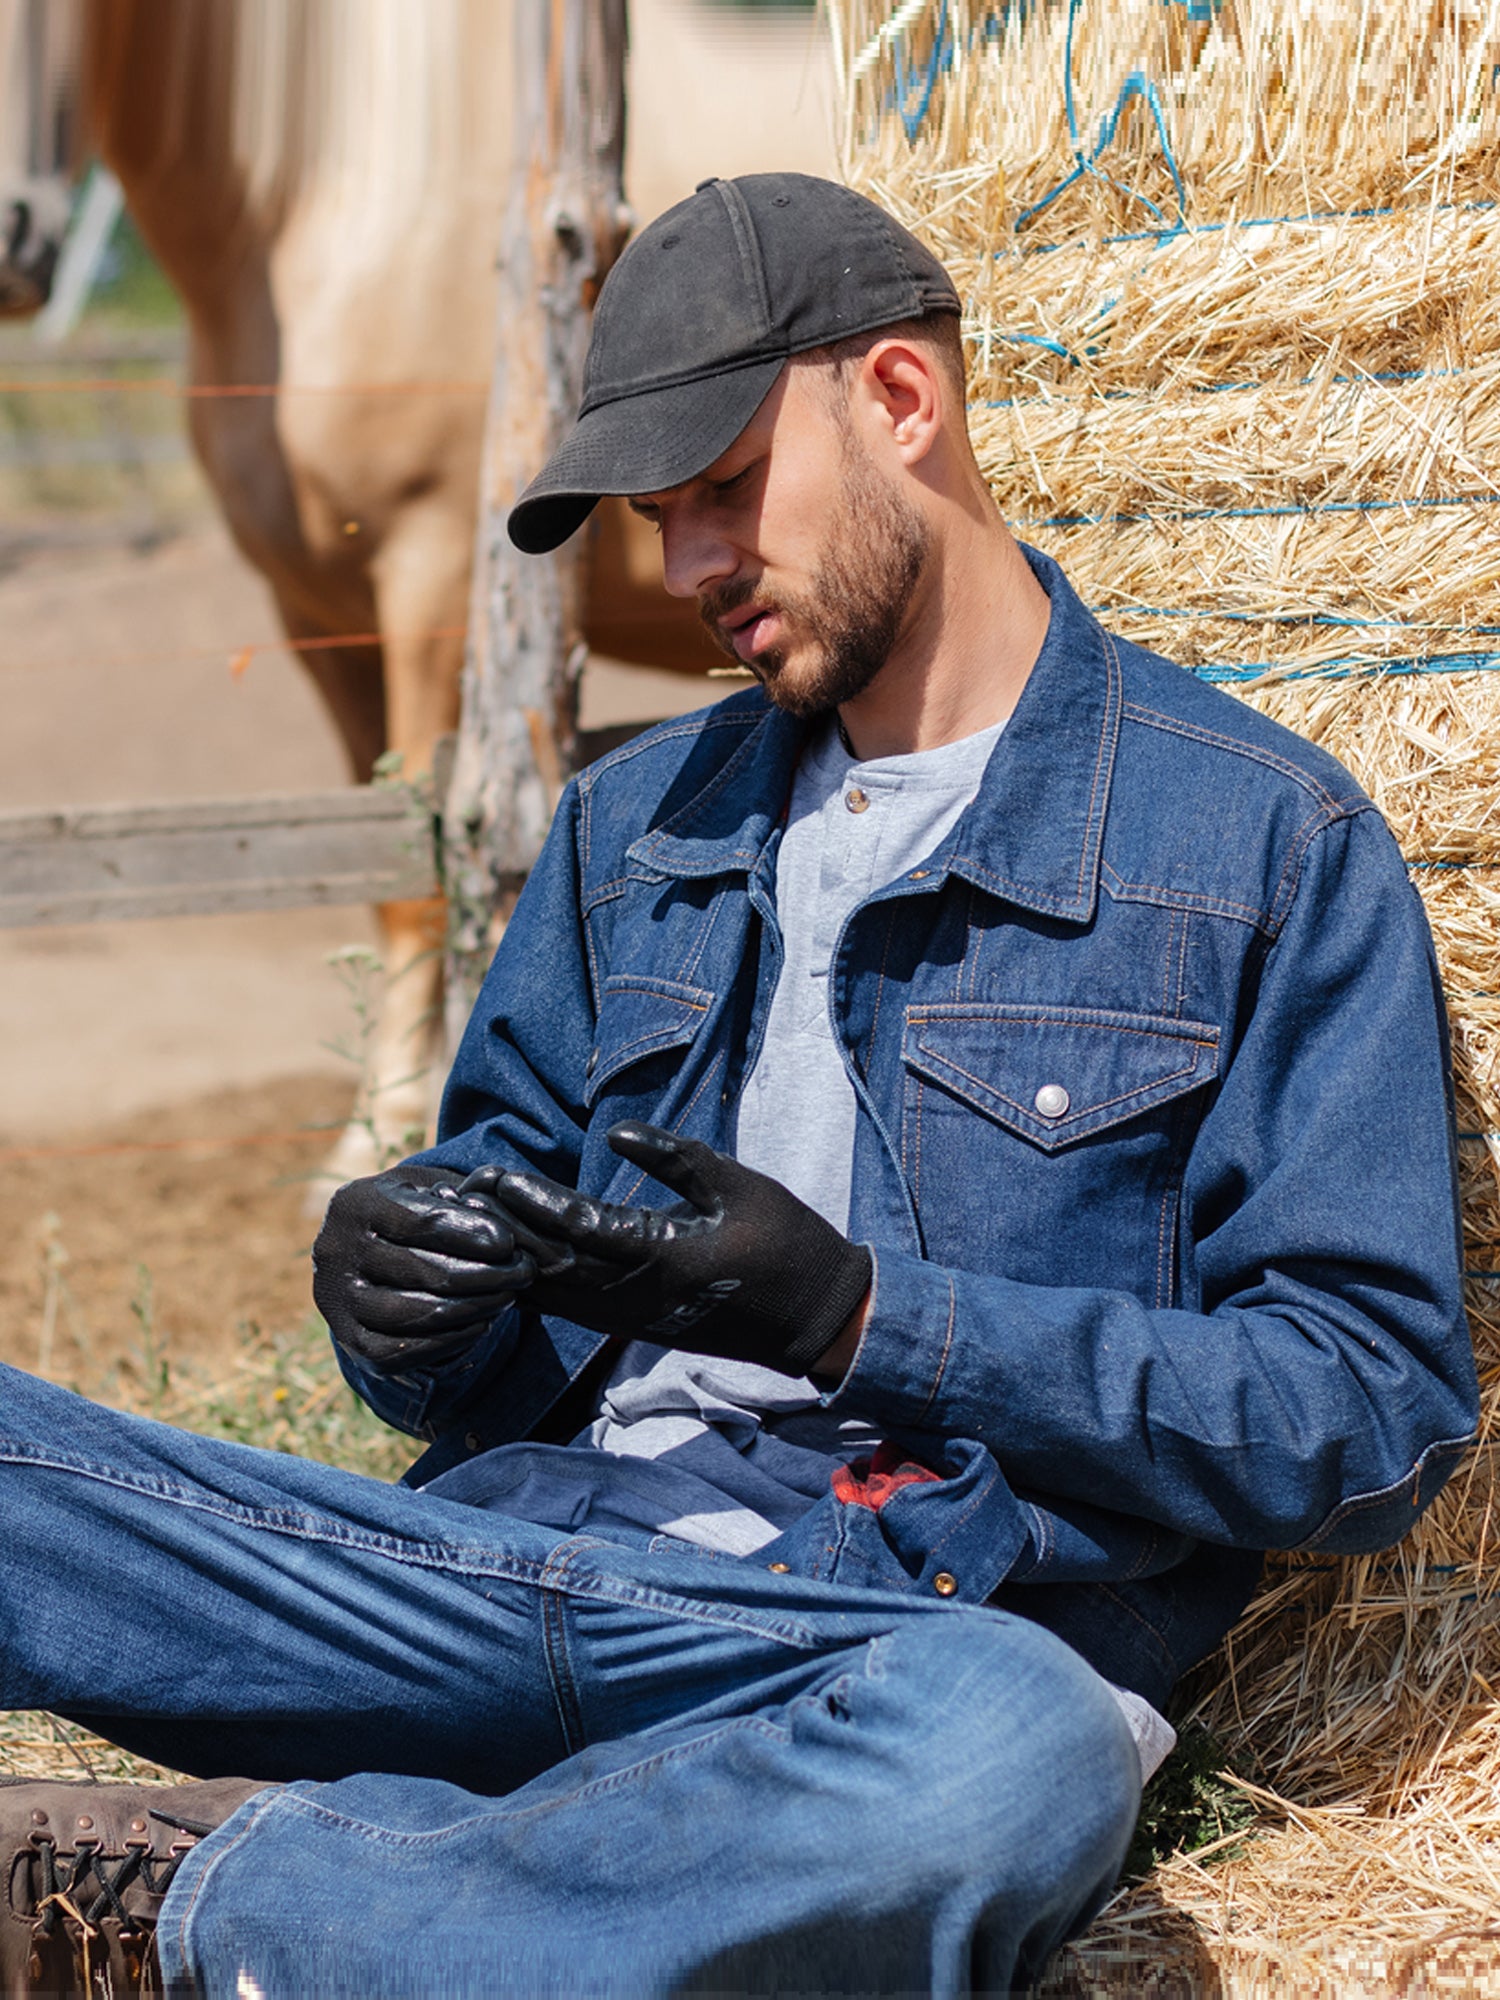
column 600, row 1769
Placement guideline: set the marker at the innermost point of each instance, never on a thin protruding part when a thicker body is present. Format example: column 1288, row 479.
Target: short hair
column 940, row 333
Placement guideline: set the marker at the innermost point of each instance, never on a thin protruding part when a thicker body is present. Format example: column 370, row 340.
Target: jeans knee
column 1011, row 1745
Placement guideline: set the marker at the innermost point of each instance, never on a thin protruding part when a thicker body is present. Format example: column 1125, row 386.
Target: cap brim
column 638, row 444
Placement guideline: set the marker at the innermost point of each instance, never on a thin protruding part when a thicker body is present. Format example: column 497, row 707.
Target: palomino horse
column 322, row 180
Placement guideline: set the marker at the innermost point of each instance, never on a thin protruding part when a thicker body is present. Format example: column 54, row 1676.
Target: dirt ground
column 113, row 1253
column 115, row 1037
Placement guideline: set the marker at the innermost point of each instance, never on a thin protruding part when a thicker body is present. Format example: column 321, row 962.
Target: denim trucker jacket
column 1155, row 1154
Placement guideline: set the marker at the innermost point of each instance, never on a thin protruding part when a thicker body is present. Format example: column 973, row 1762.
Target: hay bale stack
column 1232, row 283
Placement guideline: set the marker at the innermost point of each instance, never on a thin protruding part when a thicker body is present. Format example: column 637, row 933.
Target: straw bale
column 1271, row 108
column 1243, row 299
column 1344, row 435
column 1260, row 428
column 1292, row 592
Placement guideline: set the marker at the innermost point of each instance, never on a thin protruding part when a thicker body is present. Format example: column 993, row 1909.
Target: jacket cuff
column 899, row 1365
column 420, row 1401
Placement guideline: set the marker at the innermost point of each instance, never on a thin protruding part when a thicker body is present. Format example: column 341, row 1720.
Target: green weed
column 1188, row 1805
column 287, row 1394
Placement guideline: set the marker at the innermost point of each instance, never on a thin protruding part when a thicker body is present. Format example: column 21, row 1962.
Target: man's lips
column 748, row 630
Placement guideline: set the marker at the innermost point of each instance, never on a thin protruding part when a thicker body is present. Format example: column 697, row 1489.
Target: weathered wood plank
column 91, row 865
column 203, row 857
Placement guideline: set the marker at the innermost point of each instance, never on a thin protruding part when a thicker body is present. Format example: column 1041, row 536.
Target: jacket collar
column 723, row 829
column 1033, row 833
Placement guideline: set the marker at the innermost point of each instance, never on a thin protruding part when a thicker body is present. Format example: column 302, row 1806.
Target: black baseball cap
column 696, row 321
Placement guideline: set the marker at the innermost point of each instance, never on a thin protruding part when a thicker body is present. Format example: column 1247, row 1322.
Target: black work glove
column 407, row 1272
column 740, row 1268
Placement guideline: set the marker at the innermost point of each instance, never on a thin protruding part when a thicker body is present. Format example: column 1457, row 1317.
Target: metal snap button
column 856, row 800
column 944, row 1584
column 779, row 1569
column 473, row 1441
column 1051, row 1100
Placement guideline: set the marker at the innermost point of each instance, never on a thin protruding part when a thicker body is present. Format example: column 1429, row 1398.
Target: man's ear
column 904, row 395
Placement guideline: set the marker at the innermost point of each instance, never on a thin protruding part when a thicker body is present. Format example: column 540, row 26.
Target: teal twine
column 1136, row 85
column 1297, row 618
column 939, row 60
column 1185, row 228
column 1352, row 666
column 1032, row 340
column 1381, row 375
column 1177, row 515
column 923, row 80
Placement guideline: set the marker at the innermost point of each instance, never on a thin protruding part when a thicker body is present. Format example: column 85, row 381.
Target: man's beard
column 852, row 615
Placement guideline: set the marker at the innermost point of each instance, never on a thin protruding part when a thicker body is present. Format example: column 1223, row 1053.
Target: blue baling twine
column 1309, row 216
column 1136, row 85
column 1371, row 666
column 1305, row 618
column 1176, row 515
column 1033, row 340
column 940, row 59
column 922, row 80
column 1216, row 388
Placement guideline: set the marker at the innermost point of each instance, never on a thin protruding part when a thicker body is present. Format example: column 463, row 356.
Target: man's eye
column 735, row 479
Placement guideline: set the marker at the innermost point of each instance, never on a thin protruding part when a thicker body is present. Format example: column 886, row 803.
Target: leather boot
column 87, row 1868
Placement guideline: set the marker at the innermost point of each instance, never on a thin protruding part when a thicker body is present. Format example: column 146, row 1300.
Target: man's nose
column 693, row 556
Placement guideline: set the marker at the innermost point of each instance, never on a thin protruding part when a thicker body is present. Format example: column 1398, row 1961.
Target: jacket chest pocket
column 1047, row 1142
column 643, row 1032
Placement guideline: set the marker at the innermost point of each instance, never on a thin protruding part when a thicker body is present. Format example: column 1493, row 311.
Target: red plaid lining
column 870, row 1482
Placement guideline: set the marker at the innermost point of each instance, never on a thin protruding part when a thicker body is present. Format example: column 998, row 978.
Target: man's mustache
column 720, row 603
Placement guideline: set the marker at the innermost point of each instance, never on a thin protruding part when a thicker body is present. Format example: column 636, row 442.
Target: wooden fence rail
column 203, row 857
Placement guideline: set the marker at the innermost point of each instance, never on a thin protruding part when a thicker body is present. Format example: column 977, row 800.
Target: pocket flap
column 1056, row 1074
column 639, row 1017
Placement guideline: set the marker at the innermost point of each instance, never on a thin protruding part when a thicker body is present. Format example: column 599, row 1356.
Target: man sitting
column 952, row 1160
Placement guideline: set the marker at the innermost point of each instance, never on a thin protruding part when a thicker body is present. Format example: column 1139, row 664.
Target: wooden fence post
column 564, row 225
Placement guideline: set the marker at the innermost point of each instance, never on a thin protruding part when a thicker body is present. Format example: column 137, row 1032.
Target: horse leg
column 421, row 574
column 350, row 681
column 385, row 1122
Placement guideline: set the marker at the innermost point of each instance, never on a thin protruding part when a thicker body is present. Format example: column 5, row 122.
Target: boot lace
column 89, row 1886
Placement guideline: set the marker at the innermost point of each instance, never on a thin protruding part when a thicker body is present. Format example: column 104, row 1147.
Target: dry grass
column 1267, row 442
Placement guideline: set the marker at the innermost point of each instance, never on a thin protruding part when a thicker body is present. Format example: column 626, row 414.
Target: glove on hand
column 407, row 1272
column 741, row 1268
